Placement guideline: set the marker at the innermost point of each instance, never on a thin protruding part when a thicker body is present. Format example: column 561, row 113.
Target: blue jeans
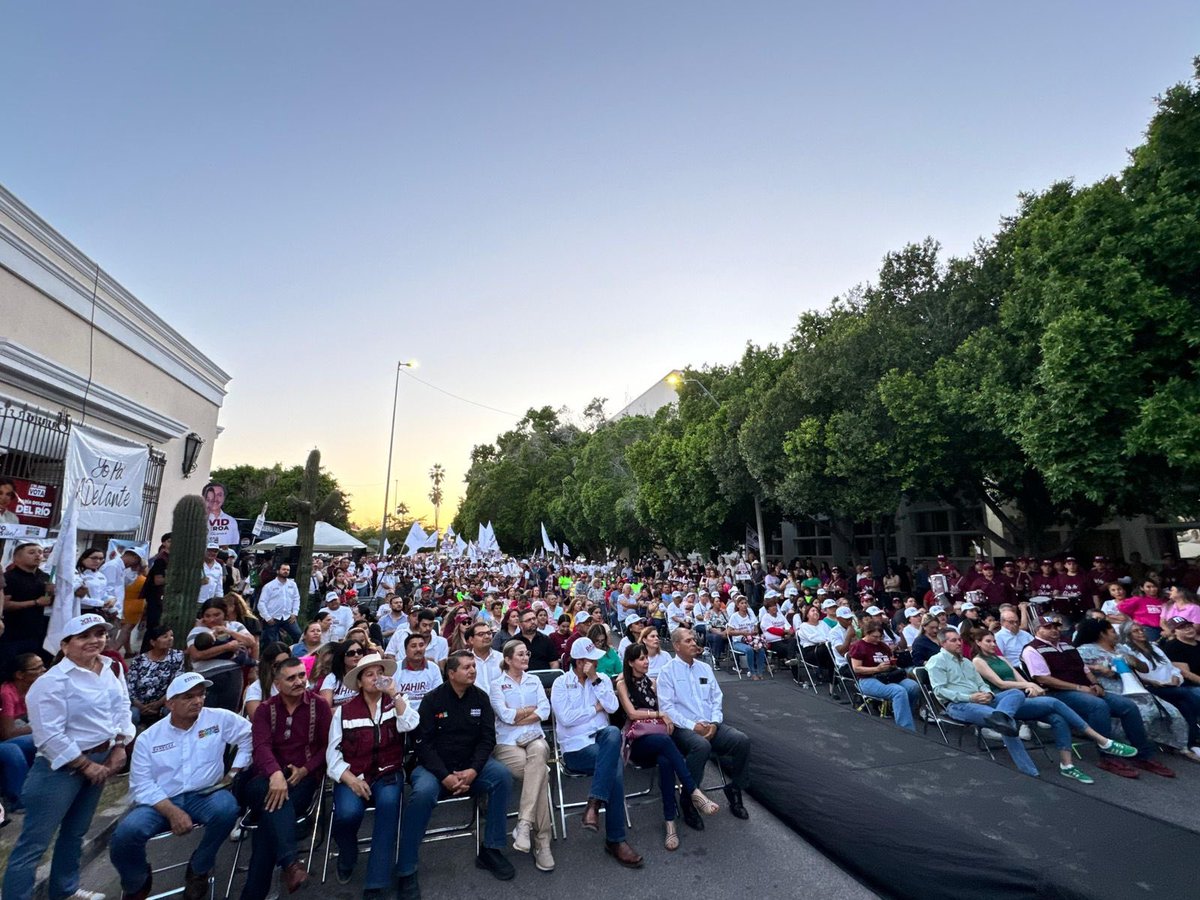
column 1006, row 702
column 494, row 782
column 1099, row 711
column 756, row 660
column 348, row 812
column 602, row 760
column 904, row 697
column 274, row 842
column 660, row 750
column 217, row 812
column 1060, row 717
column 281, row 630
column 54, row 799
column 16, row 756
column 1187, row 699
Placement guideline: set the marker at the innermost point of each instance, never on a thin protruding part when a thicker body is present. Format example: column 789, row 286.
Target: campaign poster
column 24, row 502
column 222, row 528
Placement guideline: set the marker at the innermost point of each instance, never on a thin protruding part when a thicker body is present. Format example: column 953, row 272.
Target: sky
column 541, row 202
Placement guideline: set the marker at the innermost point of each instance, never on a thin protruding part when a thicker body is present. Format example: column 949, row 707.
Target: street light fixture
column 410, row 364
column 677, row 379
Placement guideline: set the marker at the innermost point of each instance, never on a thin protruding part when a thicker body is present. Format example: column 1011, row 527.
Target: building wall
column 147, row 382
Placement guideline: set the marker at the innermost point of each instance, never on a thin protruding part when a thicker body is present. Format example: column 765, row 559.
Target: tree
column 312, row 504
column 436, row 475
column 249, row 487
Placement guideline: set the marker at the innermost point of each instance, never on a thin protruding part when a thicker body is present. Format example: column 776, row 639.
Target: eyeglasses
column 354, row 652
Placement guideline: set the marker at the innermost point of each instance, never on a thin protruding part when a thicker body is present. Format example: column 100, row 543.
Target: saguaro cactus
column 311, row 507
column 189, row 537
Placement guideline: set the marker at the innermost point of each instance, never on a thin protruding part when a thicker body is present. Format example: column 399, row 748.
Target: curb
column 95, row 842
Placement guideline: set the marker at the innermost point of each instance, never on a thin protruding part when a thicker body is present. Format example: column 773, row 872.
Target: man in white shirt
column 212, row 575
column 487, row 660
column 582, row 700
column 437, row 648
column 689, row 695
column 1011, row 639
column 175, row 781
column 677, row 612
column 278, row 607
column 341, row 616
column 416, row 676
column 120, row 572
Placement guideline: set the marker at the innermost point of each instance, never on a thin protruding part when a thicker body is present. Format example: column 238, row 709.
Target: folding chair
column 212, row 876
column 810, row 672
column 311, row 817
column 941, row 718
column 734, row 653
column 872, row 706
column 470, row 828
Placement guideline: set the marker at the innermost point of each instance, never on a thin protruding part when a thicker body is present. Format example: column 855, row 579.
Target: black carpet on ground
column 913, row 818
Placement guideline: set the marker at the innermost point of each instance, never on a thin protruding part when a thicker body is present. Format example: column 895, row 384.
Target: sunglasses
column 355, row 652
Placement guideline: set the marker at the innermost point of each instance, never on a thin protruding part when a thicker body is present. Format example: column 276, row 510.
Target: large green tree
column 249, row 487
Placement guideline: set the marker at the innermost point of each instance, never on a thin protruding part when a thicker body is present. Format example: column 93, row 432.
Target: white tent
column 326, row 539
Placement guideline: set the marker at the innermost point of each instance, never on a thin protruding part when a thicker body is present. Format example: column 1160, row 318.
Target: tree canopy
column 247, row 488
column 1050, row 376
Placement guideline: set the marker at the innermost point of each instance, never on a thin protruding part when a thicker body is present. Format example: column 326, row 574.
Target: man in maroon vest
column 366, row 761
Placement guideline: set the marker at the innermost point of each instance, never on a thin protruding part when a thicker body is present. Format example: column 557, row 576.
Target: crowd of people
column 417, row 681
column 425, row 679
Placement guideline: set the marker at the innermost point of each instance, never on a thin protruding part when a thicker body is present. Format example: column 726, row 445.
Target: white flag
column 386, row 546
column 547, row 544
column 566, row 549
column 260, row 522
column 62, row 567
column 460, row 546
column 416, row 539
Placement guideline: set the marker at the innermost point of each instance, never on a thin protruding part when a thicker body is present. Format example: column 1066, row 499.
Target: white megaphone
column 1130, row 683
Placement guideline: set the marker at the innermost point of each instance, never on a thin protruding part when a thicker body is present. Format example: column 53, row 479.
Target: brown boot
column 624, row 854
column 591, row 815
column 195, row 885
column 294, row 876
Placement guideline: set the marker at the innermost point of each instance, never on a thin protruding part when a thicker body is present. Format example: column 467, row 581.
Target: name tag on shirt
column 704, row 681
column 215, row 729
column 477, row 712
column 163, row 747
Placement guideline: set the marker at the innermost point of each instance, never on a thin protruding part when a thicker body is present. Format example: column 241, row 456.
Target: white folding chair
column 311, row 816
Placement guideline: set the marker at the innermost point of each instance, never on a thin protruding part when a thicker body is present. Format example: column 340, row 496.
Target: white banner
column 105, row 475
column 62, row 569
column 19, row 532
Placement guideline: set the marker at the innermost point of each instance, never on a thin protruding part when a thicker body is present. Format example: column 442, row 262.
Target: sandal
column 672, row 840
column 701, row 802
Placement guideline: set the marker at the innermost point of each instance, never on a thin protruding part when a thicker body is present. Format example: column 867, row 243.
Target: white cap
column 581, row 616
column 771, row 594
column 968, row 605
column 585, row 649
column 821, row 591
column 80, row 624
column 936, row 610
column 212, row 546
column 791, row 591
column 874, row 611
column 829, row 604
column 181, row 684
column 912, row 611
column 843, row 612
column 631, row 620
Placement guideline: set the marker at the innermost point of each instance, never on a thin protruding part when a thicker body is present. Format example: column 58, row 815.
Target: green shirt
column 954, row 680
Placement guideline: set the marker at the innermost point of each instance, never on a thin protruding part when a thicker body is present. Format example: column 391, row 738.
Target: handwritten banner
column 106, row 474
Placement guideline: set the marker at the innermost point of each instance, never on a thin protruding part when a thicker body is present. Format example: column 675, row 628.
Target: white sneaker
column 521, row 839
column 989, row 735
column 1026, row 734
column 81, row 894
column 542, row 857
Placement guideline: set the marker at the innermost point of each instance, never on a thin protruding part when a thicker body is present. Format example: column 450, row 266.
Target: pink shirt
column 1189, row 611
column 1143, row 610
column 12, row 704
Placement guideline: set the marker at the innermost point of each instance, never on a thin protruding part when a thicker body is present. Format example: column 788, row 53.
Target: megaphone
column 1130, row 683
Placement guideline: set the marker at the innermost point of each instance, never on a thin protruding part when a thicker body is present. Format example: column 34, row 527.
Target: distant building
column 140, row 379
column 650, row 401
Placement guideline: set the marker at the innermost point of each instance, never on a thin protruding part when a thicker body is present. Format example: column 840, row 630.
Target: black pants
column 728, row 743
column 818, row 655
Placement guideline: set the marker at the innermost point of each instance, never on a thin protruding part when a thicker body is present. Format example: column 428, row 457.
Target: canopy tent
column 326, row 539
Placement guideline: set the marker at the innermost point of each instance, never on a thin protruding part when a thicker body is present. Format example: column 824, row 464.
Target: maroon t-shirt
column 869, row 654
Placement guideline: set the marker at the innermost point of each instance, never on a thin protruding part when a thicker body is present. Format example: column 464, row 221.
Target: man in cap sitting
column 176, row 782
column 582, row 700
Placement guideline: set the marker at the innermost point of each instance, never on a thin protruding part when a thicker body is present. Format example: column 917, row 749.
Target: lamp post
column 411, row 364
column 677, row 378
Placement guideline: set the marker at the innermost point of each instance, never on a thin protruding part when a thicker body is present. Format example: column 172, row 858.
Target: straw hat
column 371, row 659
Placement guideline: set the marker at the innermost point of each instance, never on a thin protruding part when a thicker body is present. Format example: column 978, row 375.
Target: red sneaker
column 1117, row 767
column 1153, row 765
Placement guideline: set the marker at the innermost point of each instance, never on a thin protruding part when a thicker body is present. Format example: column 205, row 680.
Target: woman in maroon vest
column 366, row 763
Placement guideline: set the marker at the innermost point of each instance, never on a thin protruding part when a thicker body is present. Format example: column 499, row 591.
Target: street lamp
column 410, row 364
column 677, row 378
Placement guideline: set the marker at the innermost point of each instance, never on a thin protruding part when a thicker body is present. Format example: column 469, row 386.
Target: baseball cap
column 1051, row 619
column 212, row 546
column 915, row 611
column 80, row 624
column 183, row 683
column 1047, row 562
column 581, row 616
column 632, row 619
column 968, row 605
column 585, row 649
column 941, row 556
column 1180, row 622
column 829, row 604
column 771, row 595
column 936, row 610
column 874, row 611
column 843, row 612
column 986, row 565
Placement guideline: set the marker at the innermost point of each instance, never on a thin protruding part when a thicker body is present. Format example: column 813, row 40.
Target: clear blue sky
column 541, row 201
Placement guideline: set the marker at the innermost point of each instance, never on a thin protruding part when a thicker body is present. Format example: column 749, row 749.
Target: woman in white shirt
column 743, row 631
column 520, row 704
column 653, row 644
column 912, row 630
column 91, row 586
column 263, row 687
column 218, row 649
column 345, row 657
column 79, row 715
column 770, row 621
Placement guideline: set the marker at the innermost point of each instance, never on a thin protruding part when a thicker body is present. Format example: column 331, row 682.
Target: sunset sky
column 542, row 202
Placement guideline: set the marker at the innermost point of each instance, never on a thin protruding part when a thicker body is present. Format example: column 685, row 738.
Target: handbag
column 640, row 728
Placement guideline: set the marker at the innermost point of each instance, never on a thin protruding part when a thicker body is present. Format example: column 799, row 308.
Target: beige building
column 76, row 346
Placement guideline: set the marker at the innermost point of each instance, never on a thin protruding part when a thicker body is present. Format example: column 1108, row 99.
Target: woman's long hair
column 633, row 653
column 266, row 665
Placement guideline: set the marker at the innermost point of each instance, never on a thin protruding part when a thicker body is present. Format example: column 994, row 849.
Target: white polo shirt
column 169, row 761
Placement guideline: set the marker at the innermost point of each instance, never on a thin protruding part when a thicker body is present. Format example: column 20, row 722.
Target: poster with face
column 26, row 502
column 222, row 528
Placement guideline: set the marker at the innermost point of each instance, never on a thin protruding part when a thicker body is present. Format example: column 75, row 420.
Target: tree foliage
column 247, row 488
column 1050, row 377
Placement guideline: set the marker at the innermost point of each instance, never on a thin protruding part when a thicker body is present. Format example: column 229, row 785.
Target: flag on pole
column 62, row 570
column 416, row 539
column 260, row 522
column 566, row 550
column 386, row 546
column 547, row 544
column 460, row 546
